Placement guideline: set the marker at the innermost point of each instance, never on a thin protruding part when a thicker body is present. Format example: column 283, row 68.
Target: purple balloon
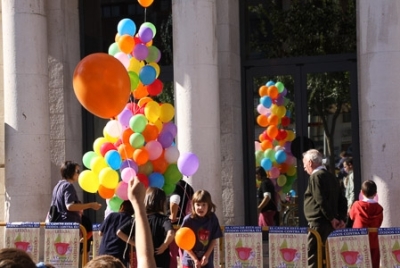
column 125, row 116
column 188, row 163
column 170, row 127
column 165, row 138
column 145, row 34
column 140, row 52
column 129, row 163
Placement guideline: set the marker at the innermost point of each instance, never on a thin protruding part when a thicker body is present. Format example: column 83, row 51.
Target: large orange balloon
column 101, row 85
column 185, row 238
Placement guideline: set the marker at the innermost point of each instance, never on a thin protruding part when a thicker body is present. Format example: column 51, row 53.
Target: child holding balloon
column 199, row 248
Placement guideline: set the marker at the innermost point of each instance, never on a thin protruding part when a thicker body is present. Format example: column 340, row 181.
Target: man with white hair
column 322, row 199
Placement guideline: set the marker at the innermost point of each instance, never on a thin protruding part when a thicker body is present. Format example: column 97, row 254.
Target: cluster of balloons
column 273, row 150
column 138, row 140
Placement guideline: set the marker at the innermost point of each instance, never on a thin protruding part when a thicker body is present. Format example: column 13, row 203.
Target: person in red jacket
column 367, row 213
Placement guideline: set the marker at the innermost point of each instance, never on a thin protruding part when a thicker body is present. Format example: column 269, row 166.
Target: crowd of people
column 142, row 221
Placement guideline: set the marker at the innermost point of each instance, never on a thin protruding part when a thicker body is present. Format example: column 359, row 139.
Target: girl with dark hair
column 205, row 225
column 65, row 197
column 111, row 244
column 266, row 195
column 160, row 226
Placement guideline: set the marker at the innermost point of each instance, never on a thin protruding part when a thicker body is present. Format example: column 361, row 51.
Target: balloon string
column 145, row 12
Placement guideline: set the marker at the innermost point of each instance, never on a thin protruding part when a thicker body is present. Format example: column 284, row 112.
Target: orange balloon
column 125, row 150
column 266, row 144
column 126, row 135
column 143, row 101
column 150, row 132
column 185, row 238
column 126, row 43
column 145, row 3
column 272, row 131
column 263, row 91
column 262, row 120
column 141, row 156
column 273, row 119
column 273, row 92
column 160, row 165
column 105, row 192
column 102, row 85
column 140, row 91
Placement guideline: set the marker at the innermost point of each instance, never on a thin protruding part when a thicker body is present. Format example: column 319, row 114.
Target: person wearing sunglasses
column 65, row 197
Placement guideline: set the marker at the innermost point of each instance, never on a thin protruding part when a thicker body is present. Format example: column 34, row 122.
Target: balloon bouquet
column 138, row 139
column 273, row 150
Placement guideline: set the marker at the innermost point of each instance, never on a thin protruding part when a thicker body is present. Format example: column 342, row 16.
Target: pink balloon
column 127, row 174
column 257, row 146
column 274, row 172
column 122, row 190
column 154, row 148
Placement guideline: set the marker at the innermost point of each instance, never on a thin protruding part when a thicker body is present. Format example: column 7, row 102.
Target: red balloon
column 143, row 179
column 105, row 147
column 155, row 88
column 102, row 85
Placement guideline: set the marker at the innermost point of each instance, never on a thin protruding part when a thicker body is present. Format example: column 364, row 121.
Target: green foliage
column 306, row 28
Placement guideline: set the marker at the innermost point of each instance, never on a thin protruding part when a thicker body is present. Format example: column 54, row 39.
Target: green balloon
column 172, row 175
column 146, row 169
column 138, row 123
column 115, row 203
column 136, row 140
column 134, row 77
column 87, row 157
column 113, row 49
column 169, row 188
column 280, row 87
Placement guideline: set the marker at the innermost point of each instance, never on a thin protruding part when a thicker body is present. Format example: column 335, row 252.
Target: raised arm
column 145, row 252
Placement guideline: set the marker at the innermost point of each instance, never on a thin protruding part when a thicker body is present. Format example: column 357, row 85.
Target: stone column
column 379, row 80
column 26, row 110
column 197, row 91
column 228, row 35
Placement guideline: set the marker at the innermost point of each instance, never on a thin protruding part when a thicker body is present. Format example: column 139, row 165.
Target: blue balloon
column 126, row 26
column 113, row 159
column 280, row 156
column 266, row 164
column 266, row 101
column 147, row 75
column 270, row 83
column 156, row 180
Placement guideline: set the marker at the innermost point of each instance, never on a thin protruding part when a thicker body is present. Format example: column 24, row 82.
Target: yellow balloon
column 97, row 164
column 290, row 135
column 152, row 111
column 167, row 112
column 274, row 109
column 156, row 67
column 291, row 171
column 134, row 65
column 97, row 144
column 281, row 180
column 281, row 111
column 143, row 101
column 108, row 178
column 159, row 125
column 88, row 181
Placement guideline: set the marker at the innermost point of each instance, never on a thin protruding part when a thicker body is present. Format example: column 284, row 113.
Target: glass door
column 320, row 111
